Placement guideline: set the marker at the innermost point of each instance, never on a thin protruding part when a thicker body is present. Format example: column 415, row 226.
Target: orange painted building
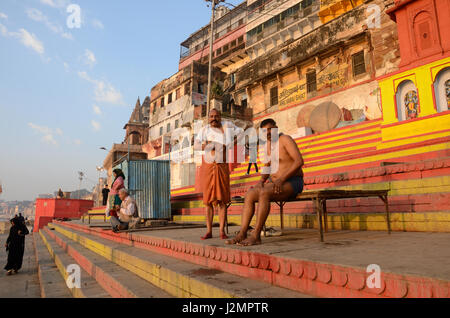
column 406, row 150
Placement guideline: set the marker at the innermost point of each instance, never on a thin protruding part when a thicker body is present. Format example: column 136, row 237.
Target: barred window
column 274, row 96
column 311, row 81
column 359, row 65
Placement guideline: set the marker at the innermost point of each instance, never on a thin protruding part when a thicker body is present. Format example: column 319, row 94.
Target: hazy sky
column 65, row 92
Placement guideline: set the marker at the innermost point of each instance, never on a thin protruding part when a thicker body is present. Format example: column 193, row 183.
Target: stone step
column 118, row 282
column 300, row 263
column 176, row 277
column 89, row 288
column 51, row 282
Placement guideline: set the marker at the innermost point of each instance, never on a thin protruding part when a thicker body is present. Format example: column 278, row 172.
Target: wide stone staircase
column 124, row 270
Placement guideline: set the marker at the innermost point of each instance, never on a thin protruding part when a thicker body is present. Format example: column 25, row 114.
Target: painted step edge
column 89, row 290
column 194, row 286
column 52, row 285
column 179, row 285
column 116, row 287
column 313, row 278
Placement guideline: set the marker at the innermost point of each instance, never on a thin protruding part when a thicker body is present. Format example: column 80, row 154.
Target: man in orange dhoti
column 214, row 172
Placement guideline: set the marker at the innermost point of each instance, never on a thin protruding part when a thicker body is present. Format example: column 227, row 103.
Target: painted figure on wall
column 411, row 105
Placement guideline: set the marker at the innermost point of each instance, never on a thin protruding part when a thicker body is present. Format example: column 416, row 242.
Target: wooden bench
column 319, row 199
column 93, row 214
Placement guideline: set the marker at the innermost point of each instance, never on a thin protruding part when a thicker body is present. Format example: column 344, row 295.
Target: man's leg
column 222, row 217
column 266, row 196
column 114, row 222
column 209, row 221
column 251, row 197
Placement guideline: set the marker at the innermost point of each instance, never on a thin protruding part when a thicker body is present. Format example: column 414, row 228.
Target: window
column 177, row 123
column 225, row 47
column 240, row 39
column 187, row 88
column 306, row 3
column 233, row 79
column 407, row 101
column 155, row 104
column 168, row 127
column 233, row 43
column 241, row 22
column 200, row 88
column 442, row 90
column 160, row 131
column 359, row 65
column 170, row 98
column 311, row 81
column 178, row 93
column 219, row 51
column 162, row 102
column 244, row 103
column 274, row 96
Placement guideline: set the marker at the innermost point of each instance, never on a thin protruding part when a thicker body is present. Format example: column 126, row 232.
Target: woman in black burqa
column 15, row 246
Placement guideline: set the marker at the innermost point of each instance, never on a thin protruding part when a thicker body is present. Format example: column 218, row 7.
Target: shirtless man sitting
column 284, row 184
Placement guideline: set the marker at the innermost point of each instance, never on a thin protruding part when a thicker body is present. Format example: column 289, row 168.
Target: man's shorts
column 297, row 184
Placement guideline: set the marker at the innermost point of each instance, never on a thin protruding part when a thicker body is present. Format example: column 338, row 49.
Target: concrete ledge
column 119, row 283
column 308, row 277
column 180, row 279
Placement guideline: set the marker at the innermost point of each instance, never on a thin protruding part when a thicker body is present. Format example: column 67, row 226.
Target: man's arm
column 292, row 149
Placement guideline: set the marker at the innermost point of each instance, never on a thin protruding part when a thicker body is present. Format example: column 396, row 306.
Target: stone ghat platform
column 412, row 264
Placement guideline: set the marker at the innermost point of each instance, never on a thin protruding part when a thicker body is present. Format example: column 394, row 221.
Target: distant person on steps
column 15, row 246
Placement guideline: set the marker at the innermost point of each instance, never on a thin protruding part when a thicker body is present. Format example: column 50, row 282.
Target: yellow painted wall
column 423, row 77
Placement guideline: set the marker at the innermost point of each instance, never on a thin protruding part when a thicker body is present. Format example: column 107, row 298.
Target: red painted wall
column 47, row 209
column 422, row 29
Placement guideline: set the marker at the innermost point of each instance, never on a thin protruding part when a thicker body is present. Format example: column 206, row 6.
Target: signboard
column 292, row 94
column 333, row 76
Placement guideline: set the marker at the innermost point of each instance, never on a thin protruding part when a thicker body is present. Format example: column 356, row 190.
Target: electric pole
column 80, row 176
column 214, row 3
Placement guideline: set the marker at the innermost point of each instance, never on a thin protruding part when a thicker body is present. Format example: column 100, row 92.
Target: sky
column 68, row 85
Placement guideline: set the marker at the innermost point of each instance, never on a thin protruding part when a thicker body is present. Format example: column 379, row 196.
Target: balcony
column 331, row 9
column 291, row 27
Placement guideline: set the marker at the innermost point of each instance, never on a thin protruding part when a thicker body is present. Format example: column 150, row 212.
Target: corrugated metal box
column 149, row 183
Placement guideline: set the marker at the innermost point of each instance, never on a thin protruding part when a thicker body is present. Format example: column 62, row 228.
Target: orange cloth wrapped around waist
column 215, row 179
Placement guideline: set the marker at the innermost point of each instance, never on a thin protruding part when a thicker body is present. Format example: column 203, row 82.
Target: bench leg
column 318, row 208
column 281, row 216
column 388, row 215
column 325, row 215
